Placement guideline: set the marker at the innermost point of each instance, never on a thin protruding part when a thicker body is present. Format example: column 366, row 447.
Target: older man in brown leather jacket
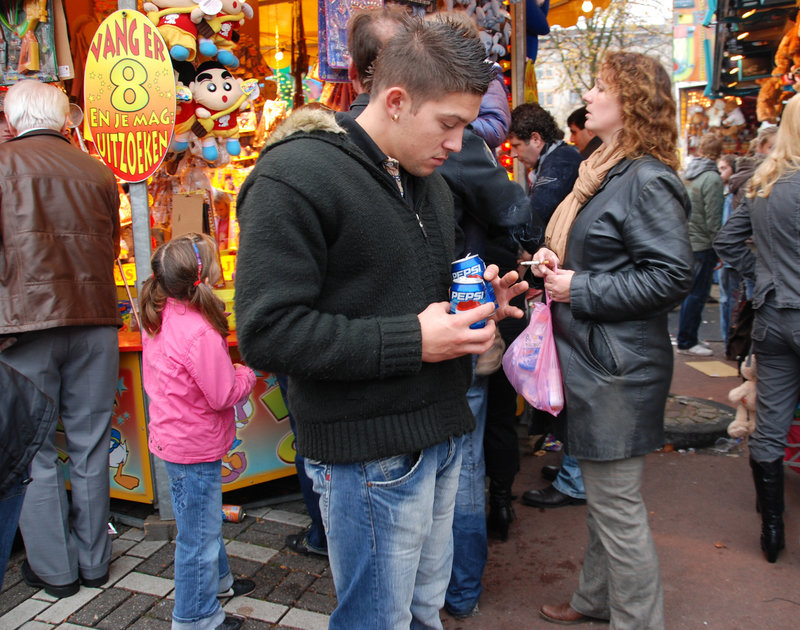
column 59, row 228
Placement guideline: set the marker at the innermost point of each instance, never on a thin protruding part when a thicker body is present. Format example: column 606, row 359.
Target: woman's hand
column 547, row 262
column 557, row 284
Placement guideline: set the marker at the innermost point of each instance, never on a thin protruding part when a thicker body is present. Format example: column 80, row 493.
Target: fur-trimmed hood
column 305, row 119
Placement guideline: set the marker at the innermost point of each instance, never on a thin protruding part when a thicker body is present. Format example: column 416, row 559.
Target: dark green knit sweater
column 332, row 271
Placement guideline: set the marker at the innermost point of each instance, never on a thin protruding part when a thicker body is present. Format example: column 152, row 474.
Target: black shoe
column 232, row 622
column 31, row 579
column 501, row 511
column 239, row 587
column 768, row 478
column 299, row 544
column 549, row 497
column 549, row 473
column 95, row 582
column 461, row 615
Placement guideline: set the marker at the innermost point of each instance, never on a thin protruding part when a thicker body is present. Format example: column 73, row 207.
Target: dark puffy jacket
column 26, row 418
column 59, row 236
column 487, row 201
column 629, row 249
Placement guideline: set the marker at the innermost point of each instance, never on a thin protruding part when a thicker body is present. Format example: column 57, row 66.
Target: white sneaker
column 697, row 351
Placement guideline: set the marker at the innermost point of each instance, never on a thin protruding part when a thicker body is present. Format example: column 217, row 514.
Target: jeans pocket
column 392, row 471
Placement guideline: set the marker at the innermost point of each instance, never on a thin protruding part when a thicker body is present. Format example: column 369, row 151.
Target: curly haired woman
column 619, row 260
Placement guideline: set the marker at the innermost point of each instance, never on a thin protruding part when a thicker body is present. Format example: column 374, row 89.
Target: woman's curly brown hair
column 648, row 109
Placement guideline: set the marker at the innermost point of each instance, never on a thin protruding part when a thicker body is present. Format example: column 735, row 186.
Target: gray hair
column 31, row 104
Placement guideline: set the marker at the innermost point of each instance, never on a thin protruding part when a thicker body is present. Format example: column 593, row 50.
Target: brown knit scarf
column 591, row 174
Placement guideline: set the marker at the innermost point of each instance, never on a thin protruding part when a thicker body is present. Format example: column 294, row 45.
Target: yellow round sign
column 130, row 95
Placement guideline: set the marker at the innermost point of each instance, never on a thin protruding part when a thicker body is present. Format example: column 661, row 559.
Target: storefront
column 115, row 59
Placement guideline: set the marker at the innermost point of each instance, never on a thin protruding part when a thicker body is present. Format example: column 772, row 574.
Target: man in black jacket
column 358, row 243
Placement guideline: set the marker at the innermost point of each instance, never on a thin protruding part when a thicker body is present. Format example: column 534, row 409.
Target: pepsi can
column 472, row 265
column 467, row 293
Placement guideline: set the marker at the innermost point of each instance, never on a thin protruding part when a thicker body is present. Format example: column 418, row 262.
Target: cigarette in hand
column 535, row 263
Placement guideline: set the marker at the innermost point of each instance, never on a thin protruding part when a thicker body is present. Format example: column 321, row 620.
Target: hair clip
column 199, row 264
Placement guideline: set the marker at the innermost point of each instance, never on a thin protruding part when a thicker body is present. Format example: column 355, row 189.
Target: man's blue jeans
column 201, row 562
column 10, row 507
column 470, row 547
column 569, row 480
column 692, row 308
column 389, row 524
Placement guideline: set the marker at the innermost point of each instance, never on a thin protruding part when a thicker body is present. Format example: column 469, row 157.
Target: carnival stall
column 177, row 97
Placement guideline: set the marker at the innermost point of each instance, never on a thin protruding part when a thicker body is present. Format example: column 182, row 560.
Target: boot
column 768, row 478
column 501, row 512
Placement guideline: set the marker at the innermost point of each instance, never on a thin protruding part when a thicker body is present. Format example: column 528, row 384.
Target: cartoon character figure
column 117, row 457
column 218, row 97
column 184, row 111
column 226, row 29
column 178, row 22
column 235, row 462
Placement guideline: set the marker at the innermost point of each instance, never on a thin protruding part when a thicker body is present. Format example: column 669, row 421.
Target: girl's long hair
column 784, row 159
column 648, row 108
column 178, row 274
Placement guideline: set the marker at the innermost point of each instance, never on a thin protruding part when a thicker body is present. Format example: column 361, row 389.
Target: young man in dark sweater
column 342, row 281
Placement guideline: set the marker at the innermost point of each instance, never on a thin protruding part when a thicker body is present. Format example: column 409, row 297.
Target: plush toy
column 218, row 97
column 226, row 29
column 178, row 22
column 715, row 113
column 770, row 96
column 744, row 397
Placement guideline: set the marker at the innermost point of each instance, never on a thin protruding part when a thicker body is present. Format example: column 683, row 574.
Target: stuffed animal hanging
column 744, row 397
column 770, row 97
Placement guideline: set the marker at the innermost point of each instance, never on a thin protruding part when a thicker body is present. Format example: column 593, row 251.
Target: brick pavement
column 292, row 591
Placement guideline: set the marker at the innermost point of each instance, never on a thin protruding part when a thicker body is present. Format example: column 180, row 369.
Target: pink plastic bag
column 531, row 363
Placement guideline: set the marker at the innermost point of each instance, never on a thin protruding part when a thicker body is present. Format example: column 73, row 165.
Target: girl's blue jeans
column 201, row 562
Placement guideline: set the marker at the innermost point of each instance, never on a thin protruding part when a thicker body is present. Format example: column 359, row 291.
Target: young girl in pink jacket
column 193, row 387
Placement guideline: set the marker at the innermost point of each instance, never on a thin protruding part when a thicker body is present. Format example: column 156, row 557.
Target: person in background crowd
column 486, row 203
column 759, row 148
column 367, row 32
column 378, row 368
column 58, row 301
column 312, row 540
column 537, row 141
column 539, row 144
column 193, row 386
column 619, row 260
column 705, row 188
column 771, row 215
column 584, row 139
column 728, row 277
column 567, row 487
column 26, row 417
